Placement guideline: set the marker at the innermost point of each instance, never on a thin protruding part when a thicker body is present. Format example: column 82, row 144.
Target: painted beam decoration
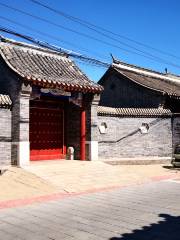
column 77, row 99
column 56, row 92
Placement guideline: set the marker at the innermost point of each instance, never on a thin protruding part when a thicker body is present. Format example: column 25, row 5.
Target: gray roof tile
column 151, row 82
column 140, row 112
column 45, row 67
column 5, row 100
column 162, row 82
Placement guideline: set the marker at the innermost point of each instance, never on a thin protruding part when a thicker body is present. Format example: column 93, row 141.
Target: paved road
column 145, row 212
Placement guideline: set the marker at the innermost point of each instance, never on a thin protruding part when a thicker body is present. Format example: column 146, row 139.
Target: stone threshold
column 139, row 161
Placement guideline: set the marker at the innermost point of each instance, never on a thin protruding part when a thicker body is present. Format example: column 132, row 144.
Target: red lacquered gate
column 46, row 131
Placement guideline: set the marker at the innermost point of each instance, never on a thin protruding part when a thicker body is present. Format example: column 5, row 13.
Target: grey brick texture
column 11, row 85
column 121, row 92
column 123, row 139
column 176, row 131
column 5, row 137
column 20, row 120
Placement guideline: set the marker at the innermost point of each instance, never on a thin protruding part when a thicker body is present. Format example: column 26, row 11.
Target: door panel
column 46, row 133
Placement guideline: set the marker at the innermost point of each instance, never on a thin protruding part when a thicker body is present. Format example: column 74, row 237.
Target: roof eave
column 65, row 86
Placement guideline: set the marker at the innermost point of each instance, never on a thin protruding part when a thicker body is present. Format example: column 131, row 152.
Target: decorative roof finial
column 113, row 59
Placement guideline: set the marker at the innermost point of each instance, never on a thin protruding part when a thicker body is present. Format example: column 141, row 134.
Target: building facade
column 139, row 109
column 54, row 105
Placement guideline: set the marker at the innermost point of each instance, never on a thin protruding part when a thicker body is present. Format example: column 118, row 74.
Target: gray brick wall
column 91, row 117
column 124, row 140
column 5, row 137
column 176, row 131
column 11, row 84
column 20, row 120
column 120, row 92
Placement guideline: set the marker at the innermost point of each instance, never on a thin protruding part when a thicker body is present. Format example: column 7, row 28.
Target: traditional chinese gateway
column 47, row 104
column 54, row 106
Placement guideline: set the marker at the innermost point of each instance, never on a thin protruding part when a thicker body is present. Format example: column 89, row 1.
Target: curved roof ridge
column 146, row 72
column 117, row 61
column 25, row 45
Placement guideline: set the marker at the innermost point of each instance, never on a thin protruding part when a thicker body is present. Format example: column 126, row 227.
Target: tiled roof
column 140, row 112
column 5, row 101
column 170, row 88
column 45, row 67
column 163, row 82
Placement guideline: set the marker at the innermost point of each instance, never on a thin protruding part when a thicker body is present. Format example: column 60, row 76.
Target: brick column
column 83, row 135
column 20, row 127
column 93, row 143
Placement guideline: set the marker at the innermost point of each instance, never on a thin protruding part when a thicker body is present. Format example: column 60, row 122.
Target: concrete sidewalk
column 76, row 176
column 55, row 177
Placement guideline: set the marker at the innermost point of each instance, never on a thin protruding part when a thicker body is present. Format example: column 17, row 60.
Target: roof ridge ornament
column 114, row 60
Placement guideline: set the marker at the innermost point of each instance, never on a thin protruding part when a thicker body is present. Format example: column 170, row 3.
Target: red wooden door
column 46, row 133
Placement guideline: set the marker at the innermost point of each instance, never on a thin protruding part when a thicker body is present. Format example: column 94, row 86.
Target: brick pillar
column 93, row 143
column 20, row 127
column 83, row 135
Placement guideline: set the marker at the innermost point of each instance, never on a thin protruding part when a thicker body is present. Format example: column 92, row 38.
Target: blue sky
column 155, row 23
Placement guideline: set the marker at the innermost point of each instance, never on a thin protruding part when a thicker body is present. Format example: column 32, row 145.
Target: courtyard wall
column 123, row 138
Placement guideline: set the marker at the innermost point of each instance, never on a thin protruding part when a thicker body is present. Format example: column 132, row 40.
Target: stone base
column 139, row 161
column 93, row 150
column 24, row 154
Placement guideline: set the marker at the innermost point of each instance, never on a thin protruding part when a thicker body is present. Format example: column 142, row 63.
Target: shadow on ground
column 167, row 229
column 172, row 168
